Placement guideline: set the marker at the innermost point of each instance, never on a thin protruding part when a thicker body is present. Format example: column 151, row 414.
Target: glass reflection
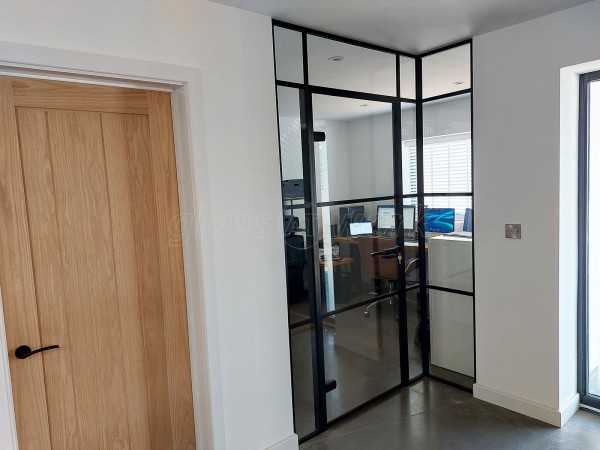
column 447, row 71
column 451, row 330
column 361, row 354
column 407, row 78
column 288, row 55
column 302, row 379
column 345, row 66
column 348, row 235
column 356, row 158
column 447, row 145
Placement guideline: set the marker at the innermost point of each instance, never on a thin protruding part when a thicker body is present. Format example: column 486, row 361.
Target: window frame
column 586, row 398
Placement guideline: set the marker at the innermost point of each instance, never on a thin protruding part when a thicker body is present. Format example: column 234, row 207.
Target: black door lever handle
column 25, row 351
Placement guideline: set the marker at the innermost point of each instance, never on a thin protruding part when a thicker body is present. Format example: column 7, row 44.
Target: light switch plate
column 512, row 231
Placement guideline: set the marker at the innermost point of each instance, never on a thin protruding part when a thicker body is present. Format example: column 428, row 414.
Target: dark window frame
column 583, row 227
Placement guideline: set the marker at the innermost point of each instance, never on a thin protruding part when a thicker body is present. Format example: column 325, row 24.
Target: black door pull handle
column 25, row 351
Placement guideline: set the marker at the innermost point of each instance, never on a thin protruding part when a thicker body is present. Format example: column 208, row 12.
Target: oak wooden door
column 91, row 261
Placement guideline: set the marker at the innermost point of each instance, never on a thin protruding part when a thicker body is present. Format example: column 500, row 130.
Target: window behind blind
column 446, row 169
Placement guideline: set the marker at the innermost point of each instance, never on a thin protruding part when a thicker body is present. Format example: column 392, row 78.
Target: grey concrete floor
column 431, row 415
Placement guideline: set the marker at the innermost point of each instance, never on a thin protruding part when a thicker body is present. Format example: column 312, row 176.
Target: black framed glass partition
column 376, row 289
column 589, row 242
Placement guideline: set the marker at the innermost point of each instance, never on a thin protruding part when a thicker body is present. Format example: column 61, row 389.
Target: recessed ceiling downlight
column 363, row 105
column 336, row 58
column 458, row 83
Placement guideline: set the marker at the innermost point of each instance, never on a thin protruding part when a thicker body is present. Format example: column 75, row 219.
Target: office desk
column 410, row 246
column 336, row 263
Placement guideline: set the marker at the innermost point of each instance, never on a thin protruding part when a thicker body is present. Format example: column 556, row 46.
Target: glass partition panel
column 362, row 355
column 294, row 226
column 413, row 319
column 451, row 330
column 344, row 66
column 447, row 145
column 356, row 158
column 409, row 148
column 348, row 234
column 447, row 71
column 449, row 240
column 459, row 221
column 290, row 140
column 288, row 55
column 298, row 265
column 407, row 78
column 411, row 244
column 301, row 342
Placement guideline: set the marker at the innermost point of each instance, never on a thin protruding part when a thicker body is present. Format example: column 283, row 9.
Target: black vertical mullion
column 399, row 215
column 424, row 326
column 309, row 174
column 473, row 213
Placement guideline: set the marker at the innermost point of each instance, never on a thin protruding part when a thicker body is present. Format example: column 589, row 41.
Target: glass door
column 362, row 306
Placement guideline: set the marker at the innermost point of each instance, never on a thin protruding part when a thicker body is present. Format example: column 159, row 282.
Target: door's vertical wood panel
column 170, row 243
column 18, row 285
column 118, row 132
column 91, row 293
column 149, row 282
column 49, row 269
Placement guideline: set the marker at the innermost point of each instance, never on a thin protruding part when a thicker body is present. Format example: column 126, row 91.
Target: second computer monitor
column 386, row 217
column 439, row 220
column 410, row 219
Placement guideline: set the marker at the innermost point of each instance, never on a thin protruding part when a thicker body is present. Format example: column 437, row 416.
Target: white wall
column 246, row 310
column 338, row 164
column 371, row 156
column 525, row 317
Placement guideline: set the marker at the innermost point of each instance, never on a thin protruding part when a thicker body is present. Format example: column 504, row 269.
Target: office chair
column 378, row 262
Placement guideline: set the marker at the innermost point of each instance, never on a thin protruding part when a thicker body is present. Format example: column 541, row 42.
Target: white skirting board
column 289, row 443
column 540, row 412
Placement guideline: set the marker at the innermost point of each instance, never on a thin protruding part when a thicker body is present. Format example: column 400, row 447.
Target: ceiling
column 412, row 26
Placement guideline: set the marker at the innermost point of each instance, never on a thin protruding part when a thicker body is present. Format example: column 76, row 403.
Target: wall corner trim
column 289, row 443
column 540, row 412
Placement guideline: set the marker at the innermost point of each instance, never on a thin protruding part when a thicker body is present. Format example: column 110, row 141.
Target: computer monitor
column 386, row 217
column 439, row 220
column 409, row 213
column 468, row 223
column 361, row 229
